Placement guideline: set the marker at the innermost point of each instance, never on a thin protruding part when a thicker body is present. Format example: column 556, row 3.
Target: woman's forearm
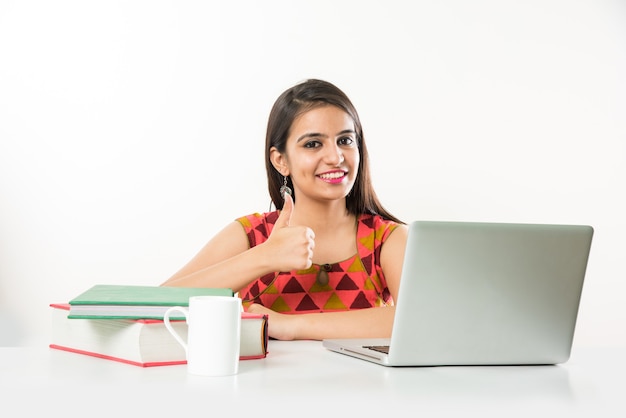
column 234, row 273
column 358, row 323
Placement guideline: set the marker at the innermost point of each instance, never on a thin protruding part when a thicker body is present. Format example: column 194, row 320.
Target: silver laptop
column 483, row 294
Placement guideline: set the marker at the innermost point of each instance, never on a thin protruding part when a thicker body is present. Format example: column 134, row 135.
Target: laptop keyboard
column 379, row 348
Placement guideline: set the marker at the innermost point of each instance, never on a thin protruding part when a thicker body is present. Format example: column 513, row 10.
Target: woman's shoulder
column 376, row 225
column 376, row 221
column 258, row 226
column 256, row 219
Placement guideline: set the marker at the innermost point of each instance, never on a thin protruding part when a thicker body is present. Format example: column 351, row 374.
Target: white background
column 132, row 131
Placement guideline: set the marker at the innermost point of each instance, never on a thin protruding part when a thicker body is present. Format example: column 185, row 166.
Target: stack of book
column 125, row 323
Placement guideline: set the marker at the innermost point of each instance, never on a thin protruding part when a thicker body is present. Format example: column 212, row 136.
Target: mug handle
column 166, row 321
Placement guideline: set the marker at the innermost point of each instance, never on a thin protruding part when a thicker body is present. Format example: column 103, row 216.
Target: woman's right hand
column 290, row 247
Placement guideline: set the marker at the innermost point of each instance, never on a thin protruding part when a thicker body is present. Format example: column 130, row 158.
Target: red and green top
column 355, row 283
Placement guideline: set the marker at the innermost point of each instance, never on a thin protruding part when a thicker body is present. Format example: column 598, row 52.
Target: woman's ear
column 279, row 161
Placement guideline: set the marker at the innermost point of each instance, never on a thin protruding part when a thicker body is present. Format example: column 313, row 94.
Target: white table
column 301, row 379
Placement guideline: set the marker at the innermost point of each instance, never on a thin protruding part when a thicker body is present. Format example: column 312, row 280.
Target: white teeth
column 334, row 175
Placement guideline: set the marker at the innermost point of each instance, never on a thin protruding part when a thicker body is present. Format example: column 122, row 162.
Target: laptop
column 483, row 294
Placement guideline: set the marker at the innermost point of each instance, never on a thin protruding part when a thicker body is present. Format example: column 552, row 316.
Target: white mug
column 214, row 333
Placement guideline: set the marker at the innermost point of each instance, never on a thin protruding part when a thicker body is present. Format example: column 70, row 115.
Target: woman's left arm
column 358, row 323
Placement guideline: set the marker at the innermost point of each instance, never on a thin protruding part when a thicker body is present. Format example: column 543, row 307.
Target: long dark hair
column 293, row 102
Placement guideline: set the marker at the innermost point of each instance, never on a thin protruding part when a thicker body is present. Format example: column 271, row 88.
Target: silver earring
column 285, row 189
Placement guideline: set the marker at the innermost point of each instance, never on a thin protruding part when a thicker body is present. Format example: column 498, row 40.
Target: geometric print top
column 355, row 283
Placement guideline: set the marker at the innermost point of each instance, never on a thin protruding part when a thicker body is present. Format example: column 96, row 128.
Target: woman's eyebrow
column 309, row 135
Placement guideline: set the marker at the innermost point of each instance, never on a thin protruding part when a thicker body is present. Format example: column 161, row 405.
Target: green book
column 104, row 301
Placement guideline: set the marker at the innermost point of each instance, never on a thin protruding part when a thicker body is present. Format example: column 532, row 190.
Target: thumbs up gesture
column 290, row 247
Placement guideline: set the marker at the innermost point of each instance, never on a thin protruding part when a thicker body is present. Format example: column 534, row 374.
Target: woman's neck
column 322, row 216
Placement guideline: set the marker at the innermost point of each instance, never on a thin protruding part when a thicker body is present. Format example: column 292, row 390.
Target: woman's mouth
column 332, row 176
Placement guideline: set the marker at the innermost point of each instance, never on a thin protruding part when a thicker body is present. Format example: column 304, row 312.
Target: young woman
column 327, row 263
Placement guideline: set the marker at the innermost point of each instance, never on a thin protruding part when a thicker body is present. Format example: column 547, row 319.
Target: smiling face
column 321, row 155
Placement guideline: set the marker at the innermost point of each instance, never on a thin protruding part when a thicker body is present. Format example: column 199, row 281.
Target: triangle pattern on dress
column 334, row 303
column 354, row 283
column 319, row 288
column 346, row 283
column 368, row 285
column 293, row 286
column 367, row 221
column 367, row 263
column 356, row 265
column 271, row 289
column 360, row 302
column 261, row 230
column 267, row 279
column 307, row 304
column 279, row 305
column 368, row 241
column 252, row 292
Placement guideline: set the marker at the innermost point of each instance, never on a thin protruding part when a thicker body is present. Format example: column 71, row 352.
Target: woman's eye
column 312, row 144
column 346, row 140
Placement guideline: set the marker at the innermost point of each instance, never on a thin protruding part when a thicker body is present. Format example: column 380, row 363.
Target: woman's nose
column 335, row 156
